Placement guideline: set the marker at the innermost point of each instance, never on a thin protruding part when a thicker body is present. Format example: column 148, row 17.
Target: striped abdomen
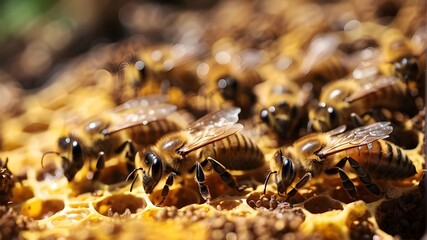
column 236, row 152
column 393, row 97
column 144, row 135
column 382, row 159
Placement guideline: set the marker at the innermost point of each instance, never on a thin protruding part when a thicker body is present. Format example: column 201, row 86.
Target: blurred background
column 38, row 37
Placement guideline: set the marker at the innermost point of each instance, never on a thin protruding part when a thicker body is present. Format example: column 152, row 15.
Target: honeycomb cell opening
column 178, row 197
column 41, row 208
column 322, row 204
column 120, row 204
column 406, row 139
column 113, row 174
column 364, row 194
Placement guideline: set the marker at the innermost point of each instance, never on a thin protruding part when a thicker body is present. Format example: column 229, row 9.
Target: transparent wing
column 212, row 127
column 356, row 137
column 419, row 40
column 370, row 86
column 322, row 47
column 138, row 111
column 367, row 61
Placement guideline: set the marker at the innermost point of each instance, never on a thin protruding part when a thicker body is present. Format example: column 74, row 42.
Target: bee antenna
column 267, row 179
column 134, row 179
column 131, row 173
column 46, row 153
column 133, row 182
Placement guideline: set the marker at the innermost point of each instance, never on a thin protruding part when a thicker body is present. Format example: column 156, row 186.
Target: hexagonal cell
column 113, row 174
column 118, row 203
column 321, row 204
column 406, row 139
column 41, row 208
column 341, row 195
column 177, row 197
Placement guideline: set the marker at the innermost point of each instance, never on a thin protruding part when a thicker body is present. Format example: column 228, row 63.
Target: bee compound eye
column 64, row 142
column 264, row 115
column 149, row 158
column 227, row 86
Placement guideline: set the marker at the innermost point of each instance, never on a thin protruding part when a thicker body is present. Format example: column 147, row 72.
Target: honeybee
column 158, row 70
column 321, row 62
column 341, row 99
column 102, row 136
column 227, row 87
column 212, row 140
column 403, row 57
column 398, row 56
column 284, row 106
column 327, row 153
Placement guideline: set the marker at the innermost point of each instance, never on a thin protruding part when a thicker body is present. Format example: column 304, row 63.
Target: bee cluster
column 247, row 120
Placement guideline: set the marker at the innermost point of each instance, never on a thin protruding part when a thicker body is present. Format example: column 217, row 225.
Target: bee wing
column 356, row 137
column 319, row 49
column 138, row 111
column 419, row 40
column 305, row 95
column 212, row 127
column 367, row 61
column 370, row 86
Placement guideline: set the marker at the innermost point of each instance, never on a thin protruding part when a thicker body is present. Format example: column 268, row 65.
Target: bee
column 397, row 56
column 102, row 136
column 403, row 57
column 321, row 62
column 284, row 106
column 364, row 148
column 227, row 87
column 213, row 141
column 158, row 70
column 342, row 100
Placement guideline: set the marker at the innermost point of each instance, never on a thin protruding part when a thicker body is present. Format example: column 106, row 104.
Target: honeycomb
column 194, row 53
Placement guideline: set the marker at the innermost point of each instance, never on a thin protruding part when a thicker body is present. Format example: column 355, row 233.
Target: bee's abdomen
column 390, row 97
column 383, row 159
column 145, row 135
column 236, row 152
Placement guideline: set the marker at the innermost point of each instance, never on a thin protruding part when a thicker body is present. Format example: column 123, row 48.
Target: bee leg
column 356, row 120
column 165, row 191
column 100, row 164
column 200, row 179
column 69, row 170
column 299, row 185
column 363, row 176
column 225, row 175
column 347, row 184
column 130, row 154
column 310, row 127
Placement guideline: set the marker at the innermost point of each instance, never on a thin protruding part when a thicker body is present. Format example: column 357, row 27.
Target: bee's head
column 323, row 118
column 70, row 164
column 152, row 171
column 407, row 68
column 64, row 143
column 227, row 86
column 286, row 171
column 279, row 117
